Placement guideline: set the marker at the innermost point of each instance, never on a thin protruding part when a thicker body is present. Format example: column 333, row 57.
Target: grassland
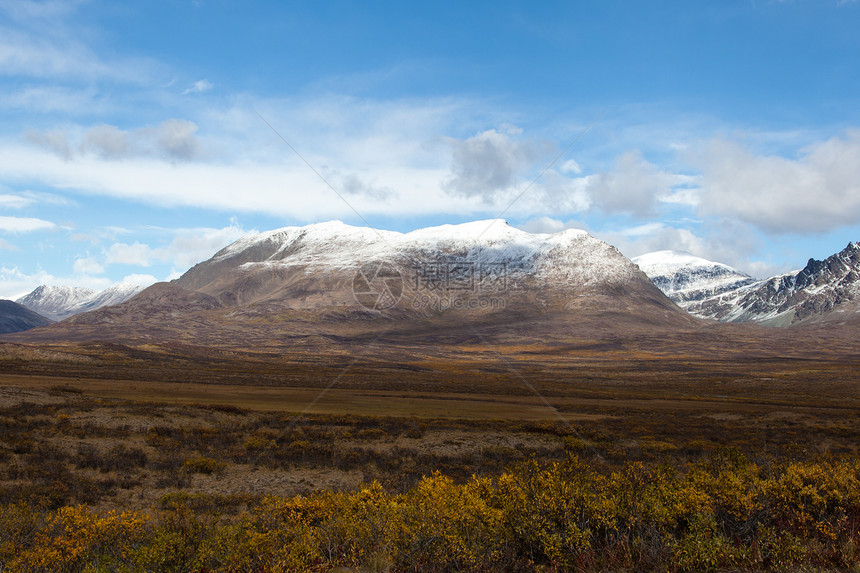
column 220, row 437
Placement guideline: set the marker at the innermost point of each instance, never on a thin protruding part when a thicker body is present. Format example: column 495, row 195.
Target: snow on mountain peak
column 567, row 260
column 686, row 278
column 59, row 302
column 336, row 244
column 812, row 293
column 665, row 262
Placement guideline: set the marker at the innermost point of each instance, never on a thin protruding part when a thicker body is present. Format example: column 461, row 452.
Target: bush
column 202, row 465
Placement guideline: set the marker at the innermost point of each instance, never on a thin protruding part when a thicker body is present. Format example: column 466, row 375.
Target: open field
column 606, row 406
column 198, row 441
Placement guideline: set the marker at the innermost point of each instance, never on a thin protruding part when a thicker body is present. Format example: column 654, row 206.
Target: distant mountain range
column 60, row 302
column 827, row 290
column 687, row 279
column 336, row 281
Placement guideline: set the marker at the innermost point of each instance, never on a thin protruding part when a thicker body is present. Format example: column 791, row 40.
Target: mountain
column 337, row 281
column 827, row 290
column 687, row 279
column 17, row 318
column 59, row 302
column 333, row 266
column 56, row 302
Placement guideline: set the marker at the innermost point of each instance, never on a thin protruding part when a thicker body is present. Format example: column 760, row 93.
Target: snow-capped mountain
column 18, row 318
column 56, row 302
column 112, row 295
column 687, row 279
column 823, row 289
column 59, row 302
column 321, row 265
column 335, row 280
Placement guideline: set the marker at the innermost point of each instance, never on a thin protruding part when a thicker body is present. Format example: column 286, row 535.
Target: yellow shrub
column 74, row 537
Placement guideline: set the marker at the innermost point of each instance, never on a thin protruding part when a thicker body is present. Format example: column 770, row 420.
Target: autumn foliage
column 724, row 512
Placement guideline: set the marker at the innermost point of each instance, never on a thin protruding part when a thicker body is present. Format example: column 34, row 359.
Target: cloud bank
column 815, row 192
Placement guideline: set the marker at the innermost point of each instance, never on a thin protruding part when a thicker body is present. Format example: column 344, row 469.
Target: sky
column 139, row 138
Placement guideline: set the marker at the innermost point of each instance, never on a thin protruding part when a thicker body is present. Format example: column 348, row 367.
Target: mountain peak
column 673, row 259
column 59, row 302
column 686, row 278
column 295, row 266
column 822, row 289
column 335, row 278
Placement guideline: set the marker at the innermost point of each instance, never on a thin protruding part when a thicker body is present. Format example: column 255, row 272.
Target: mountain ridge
column 686, row 278
column 335, row 280
column 823, row 290
column 60, row 302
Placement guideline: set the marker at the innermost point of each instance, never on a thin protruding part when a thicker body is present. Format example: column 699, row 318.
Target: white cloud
column 488, row 164
column 556, row 193
column 55, row 140
column 188, row 247
column 44, row 42
column 725, row 241
column 571, row 166
column 28, row 10
column 8, row 201
column 108, row 141
column 243, row 186
column 18, row 200
column 173, row 139
column 640, row 230
column 549, row 225
column 6, row 246
column 24, row 224
column 176, row 138
column 352, row 184
column 392, row 156
column 136, row 253
column 199, row 86
column 632, row 187
column 816, row 192
column 87, row 266
column 192, row 246
column 684, row 196
column 140, row 279
column 49, row 99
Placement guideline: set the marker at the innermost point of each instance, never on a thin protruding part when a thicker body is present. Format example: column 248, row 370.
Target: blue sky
column 135, row 138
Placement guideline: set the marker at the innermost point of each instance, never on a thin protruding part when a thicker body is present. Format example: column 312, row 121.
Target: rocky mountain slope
column 59, row 302
column 687, row 279
column 827, row 290
column 17, row 318
column 822, row 290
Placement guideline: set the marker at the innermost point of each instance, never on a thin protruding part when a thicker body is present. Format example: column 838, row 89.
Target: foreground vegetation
column 723, row 512
column 94, row 484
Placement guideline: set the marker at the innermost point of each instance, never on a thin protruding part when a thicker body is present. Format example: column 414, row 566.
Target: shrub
column 202, row 465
